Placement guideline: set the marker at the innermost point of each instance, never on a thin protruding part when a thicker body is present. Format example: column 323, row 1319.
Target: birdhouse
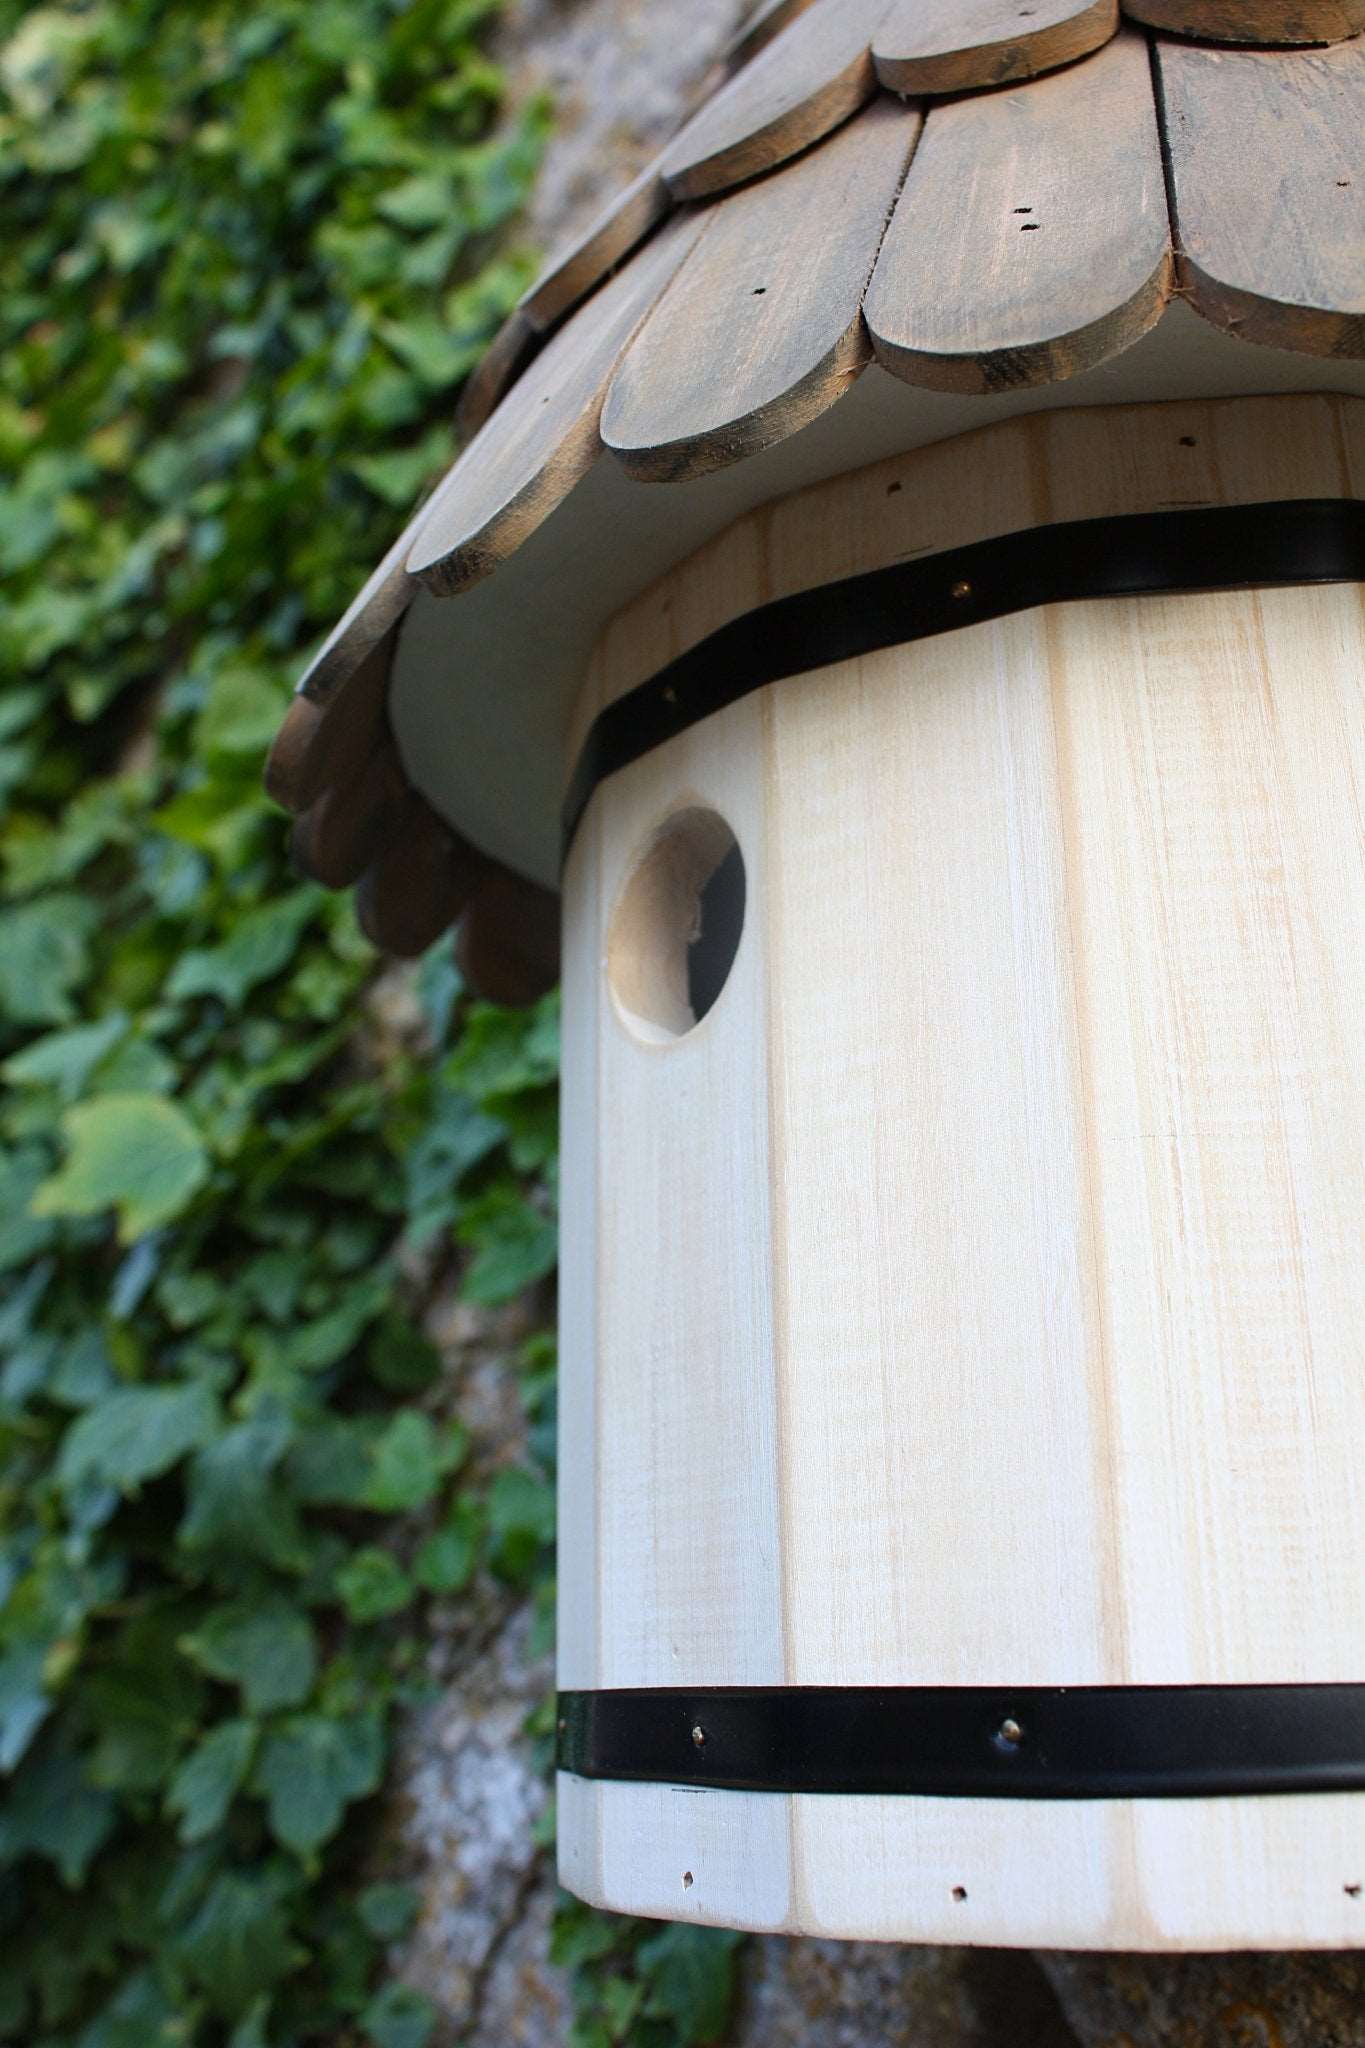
column 903, row 596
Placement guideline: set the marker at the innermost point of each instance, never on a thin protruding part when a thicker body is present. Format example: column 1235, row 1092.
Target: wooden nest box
column 905, row 589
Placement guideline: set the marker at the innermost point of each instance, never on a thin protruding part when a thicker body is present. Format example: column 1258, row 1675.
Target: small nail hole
column 1352, row 1891
column 1188, row 441
column 687, row 1880
column 1023, row 209
column 892, row 489
column 1343, row 184
column 759, row 290
column 1029, row 227
column 959, row 1892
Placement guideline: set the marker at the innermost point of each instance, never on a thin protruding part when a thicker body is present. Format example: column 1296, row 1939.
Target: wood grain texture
column 579, row 269
column 320, row 745
column 1253, row 21
column 1267, row 157
column 806, row 82
column 761, row 24
column 962, row 45
column 977, row 1291
column 344, row 831
column 544, row 436
column 1031, row 240
column 419, row 884
column 495, row 373
column 508, row 943
column 761, row 330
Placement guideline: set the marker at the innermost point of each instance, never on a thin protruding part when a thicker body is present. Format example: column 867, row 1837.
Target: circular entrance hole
column 677, row 926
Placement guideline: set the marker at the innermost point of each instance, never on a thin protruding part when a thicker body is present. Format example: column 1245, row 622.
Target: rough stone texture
column 624, row 73
column 852, row 1994
column 1225, row 2001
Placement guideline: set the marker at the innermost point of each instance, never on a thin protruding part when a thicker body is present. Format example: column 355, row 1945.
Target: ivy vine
column 250, row 254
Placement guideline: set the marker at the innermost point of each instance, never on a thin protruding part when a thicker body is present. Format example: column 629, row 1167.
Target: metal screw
column 699, row 1737
column 1010, row 1734
column 963, row 589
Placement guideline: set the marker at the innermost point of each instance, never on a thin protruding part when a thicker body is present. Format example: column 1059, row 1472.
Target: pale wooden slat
column 803, row 85
column 1031, row 240
column 1267, row 155
column 495, row 373
column 419, row 884
column 762, row 23
column 936, row 46
column 1253, row 21
column 761, row 330
column 577, row 270
column 544, row 436
column 320, row 745
column 1059, row 1175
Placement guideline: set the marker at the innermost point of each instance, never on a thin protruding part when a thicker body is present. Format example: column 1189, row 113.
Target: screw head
column 962, row 588
column 1009, row 1734
column 699, row 1738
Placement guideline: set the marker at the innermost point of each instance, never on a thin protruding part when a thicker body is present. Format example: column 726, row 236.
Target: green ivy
column 250, row 254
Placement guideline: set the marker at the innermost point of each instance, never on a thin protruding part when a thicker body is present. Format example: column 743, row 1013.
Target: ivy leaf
column 399, row 2017
column 206, row 1783
column 65, row 1060
column 235, row 1502
column 237, row 1943
column 410, row 1460
column 265, row 1647
column 445, row 1561
column 521, row 1519
column 690, row 1972
column 137, row 1154
column 44, row 954
column 257, row 948
column 24, row 1702
column 514, row 1244
column 372, row 1584
column 388, row 1911
column 135, row 1434
column 311, row 1769
column 52, row 1810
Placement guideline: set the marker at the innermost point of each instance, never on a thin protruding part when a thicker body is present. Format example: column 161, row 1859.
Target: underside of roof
column 967, row 203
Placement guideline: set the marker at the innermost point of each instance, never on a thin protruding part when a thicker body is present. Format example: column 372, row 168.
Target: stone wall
column 623, row 74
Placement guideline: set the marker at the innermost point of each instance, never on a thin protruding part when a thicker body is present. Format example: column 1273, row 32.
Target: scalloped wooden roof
column 980, row 198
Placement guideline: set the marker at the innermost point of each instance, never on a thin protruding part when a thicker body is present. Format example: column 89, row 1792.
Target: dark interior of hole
column 711, row 954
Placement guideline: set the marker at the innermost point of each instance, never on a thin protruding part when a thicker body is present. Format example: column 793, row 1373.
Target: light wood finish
column 320, row 745
column 802, row 86
column 762, row 23
column 761, row 331
column 544, row 436
column 419, row 883
column 594, row 254
column 960, row 45
column 495, row 373
column 1272, row 234
column 977, row 1289
column 1031, row 240
column 1253, row 21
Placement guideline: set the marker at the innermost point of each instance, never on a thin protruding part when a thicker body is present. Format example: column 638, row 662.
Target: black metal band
column 1216, row 547
column 975, row 1742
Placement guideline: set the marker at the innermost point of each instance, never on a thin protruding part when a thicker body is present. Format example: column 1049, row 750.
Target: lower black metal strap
column 1215, row 547
column 975, row 1742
